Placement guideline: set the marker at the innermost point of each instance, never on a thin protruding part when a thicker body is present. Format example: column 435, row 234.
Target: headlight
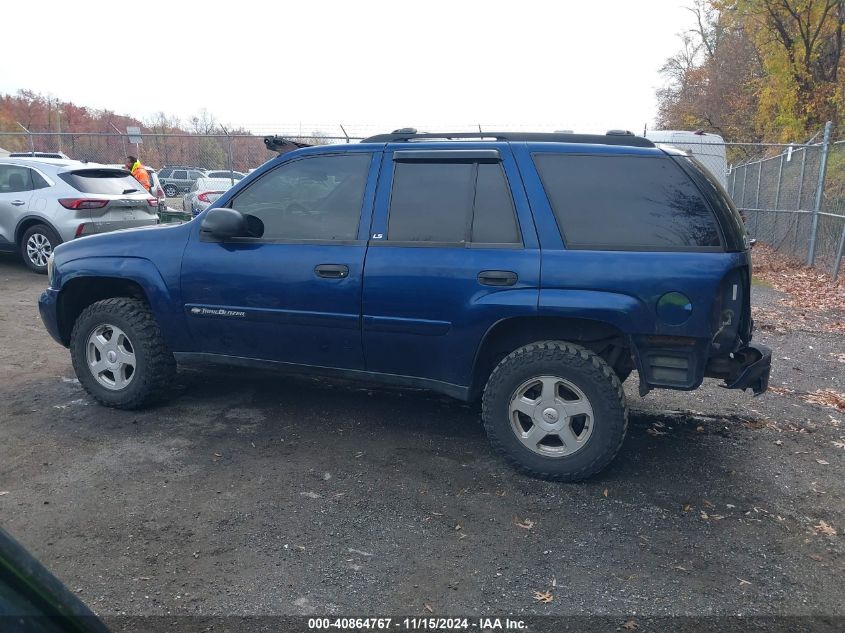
column 50, row 265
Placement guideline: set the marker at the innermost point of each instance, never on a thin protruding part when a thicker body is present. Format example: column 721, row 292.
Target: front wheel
column 170, row 191
column 555, row 410
column 119, row 354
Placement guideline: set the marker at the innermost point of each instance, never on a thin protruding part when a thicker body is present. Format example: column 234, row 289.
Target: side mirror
column 222, row 224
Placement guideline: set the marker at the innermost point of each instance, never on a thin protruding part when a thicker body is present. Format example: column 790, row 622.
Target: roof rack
column 280, row 144
column 613, row 137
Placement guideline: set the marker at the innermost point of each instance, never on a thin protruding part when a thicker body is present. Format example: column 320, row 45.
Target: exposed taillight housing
column 153, row 202
column 82, row 203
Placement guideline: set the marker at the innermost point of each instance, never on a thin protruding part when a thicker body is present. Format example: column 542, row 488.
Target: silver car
column 44, row 202
column 203, row 193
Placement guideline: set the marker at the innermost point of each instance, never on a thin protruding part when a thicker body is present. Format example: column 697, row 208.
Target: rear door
column 292, row 293
column 15, row 195
column 453, row 250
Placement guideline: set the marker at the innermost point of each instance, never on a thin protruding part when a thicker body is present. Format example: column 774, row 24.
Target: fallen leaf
column 704, row 515
column 707, row 504
column 654, row 432
column 687, row 508
column 716, row 517
column 699, row 429
column 429, row 609
column 823, row 462
column 458, row 527
column 742, row 582
column 630, row 625
column 824, row 528
column 604, row 494
column 525, row 524
column 218, row 455
column 816, row 558
column 3, row 492
column 839, row 445
column 543, row 596
column 827, row 398
column 680, row 568
column 778, row 442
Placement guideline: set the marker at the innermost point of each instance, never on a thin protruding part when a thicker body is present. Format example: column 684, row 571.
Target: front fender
column 162, row 297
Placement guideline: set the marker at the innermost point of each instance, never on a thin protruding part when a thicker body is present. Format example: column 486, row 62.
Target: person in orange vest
column 138, row 171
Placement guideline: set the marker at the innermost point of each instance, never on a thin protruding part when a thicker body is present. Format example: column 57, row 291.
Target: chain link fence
column 792, row 197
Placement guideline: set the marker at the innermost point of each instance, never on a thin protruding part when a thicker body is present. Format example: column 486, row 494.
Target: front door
column 292, row 293
column 15, row 193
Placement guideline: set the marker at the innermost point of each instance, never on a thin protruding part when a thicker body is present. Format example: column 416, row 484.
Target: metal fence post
column 31, row 142
column 798, row 221
column 838, row 261
column 817, row 206
column 757, row 200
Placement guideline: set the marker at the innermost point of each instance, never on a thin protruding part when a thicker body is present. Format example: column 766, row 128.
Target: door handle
column 332, row 271
column 497, row 277
column 18, row 203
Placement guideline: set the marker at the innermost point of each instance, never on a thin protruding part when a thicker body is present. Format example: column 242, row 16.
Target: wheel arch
column 27, row 222
column 80, row 292
column 503, row 337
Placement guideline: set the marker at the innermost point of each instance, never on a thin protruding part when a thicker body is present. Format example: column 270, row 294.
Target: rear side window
column 180, row 174
column 451, row 203
column 38, row 181
column 102, row 181
column 164, row 173
column 626, row 203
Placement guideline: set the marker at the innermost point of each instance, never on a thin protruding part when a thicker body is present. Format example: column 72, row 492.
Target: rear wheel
column 36, row 246
column 119, row 354
column 555, row 410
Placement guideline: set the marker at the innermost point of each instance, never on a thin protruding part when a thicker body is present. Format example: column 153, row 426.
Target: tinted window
column 493, row 219
column 452, row 203
column 180, row 174
column 625, row 202
column 430, row 202
column 316, row 198
column 38, row 181
column 14, row 179
column 102, row 181
column 165, row 173
column 195, row 174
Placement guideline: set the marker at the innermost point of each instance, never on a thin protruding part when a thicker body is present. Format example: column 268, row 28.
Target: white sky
column 586, row 65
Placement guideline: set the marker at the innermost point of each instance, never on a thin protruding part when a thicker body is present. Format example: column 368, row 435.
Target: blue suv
column 534, row 272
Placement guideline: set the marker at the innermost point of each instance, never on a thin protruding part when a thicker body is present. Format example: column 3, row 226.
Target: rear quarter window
column 604, row 202
column 102, row 181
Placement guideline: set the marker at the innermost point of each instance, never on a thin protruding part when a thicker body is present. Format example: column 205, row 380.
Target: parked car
column 225, row 173
column 203, row 193
column 44, row 202
column 533, row 272
column 176, row 180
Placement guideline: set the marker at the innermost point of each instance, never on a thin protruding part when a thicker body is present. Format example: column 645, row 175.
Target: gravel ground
column 252, row 493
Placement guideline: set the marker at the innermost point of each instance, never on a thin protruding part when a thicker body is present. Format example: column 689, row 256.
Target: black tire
column 170, row 191
column 155, row 366
column 581, row 368
column 44, row 235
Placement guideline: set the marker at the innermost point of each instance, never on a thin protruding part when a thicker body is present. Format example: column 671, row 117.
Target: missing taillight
column 82, row 203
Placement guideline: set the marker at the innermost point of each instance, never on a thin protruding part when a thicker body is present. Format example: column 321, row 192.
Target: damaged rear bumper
column 745, row 368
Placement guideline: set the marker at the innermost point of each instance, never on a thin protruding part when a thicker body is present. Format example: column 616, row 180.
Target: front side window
column 317, row 198
column 180, row 174
column 14, row 179
column 626, row 203
column 451, row 203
